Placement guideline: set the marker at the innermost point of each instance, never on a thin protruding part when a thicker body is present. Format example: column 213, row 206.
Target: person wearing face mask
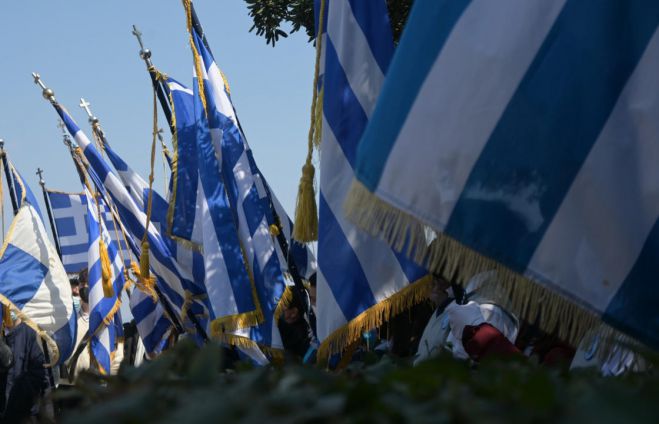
column 23, row 378
column 75, row 291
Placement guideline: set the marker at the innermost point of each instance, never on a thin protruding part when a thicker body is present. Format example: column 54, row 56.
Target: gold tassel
column 144, row 261
column 306, row 211
column 106, row 269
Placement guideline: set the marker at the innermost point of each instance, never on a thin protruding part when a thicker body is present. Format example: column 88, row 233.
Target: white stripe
column 218, row 285
column 178, row 87
column 605, row 218
column 330, row 317
column 462, row 99
column 362, row 70
column 377, row 260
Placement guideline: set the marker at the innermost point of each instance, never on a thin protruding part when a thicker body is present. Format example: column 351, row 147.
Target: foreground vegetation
column 189, row 385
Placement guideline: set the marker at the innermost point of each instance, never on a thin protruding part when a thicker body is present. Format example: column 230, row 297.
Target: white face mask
column 13, row 316
column 76, row 303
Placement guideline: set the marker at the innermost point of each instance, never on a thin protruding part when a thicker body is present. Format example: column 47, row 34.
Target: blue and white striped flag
column 70, row 214
column 33, row 282
column 173, row 282
column 104, row 290
column 186, row 257
column 248, row 193
column 361, row 280
column 200, row 214
column 525, row 134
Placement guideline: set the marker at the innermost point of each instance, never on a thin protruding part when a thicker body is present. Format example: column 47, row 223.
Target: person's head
column 291, row 314
column 83, row 278
column 75, row 286
column 439, row 287
column 312, row 289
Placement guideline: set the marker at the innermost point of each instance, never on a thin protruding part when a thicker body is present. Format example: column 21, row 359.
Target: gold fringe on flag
column 374, row 317
column 446, row 256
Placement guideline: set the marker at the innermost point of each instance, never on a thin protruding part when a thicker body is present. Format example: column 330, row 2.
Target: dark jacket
column 23, row 384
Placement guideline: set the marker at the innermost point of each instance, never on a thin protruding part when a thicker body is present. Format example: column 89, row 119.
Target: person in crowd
column 471, row 325
column 295, row 331
column 81, row 359
column 75, row 292
column 23, row 378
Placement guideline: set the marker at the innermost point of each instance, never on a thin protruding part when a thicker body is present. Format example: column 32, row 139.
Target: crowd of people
column 464, row 322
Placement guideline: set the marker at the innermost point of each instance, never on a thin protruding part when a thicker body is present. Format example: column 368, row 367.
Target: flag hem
column 552, row 311
column 411, row 295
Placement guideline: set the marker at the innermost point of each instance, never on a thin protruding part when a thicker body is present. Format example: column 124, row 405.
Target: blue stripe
column 187, row 167
column 342, row 110
column 21, row 275
column 341, row 267
column 152, row 341
column 65, row 337
column 220, row 211
column 430, row 23
column 116, row 160
column 59, row 200
column 71, row 126
column 373, row 19
column 74, row 249
column 549, row 127
column 633, row 309
column 65, row 226
column 97, row 163
column 101, row 355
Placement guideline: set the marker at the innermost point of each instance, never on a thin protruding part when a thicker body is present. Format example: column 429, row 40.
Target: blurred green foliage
column 273, row 19
column 189, row 385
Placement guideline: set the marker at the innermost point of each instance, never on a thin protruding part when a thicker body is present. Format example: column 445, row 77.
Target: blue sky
column 85, row 48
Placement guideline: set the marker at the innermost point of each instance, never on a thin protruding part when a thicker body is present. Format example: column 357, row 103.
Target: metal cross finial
column 48, row 94
column 40, row 174
column 138, row 34
column 85, row 105
column 145, row 53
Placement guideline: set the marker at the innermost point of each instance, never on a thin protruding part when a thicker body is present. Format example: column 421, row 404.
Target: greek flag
column 357, row 273
column 248, row 193
column 153, row 324
column 33, row 282
column 104, row 290
column 201, row 214
column 188, row 259
column 525, row 134
column 173, row 283
column 70, row 215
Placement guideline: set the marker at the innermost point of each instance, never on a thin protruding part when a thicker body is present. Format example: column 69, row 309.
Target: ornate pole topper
column 47, row 93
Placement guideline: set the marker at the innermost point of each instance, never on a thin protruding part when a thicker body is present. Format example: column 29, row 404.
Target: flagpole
column 46, row 200
column 145, row 54
column 10, row 180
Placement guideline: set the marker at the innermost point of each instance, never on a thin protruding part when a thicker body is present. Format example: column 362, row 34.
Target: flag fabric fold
column 248, row 194
column 361, row 280
column 106, row 282
column 33, row 281
column 199, row 213
column 172, row 282
column 523, row 134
